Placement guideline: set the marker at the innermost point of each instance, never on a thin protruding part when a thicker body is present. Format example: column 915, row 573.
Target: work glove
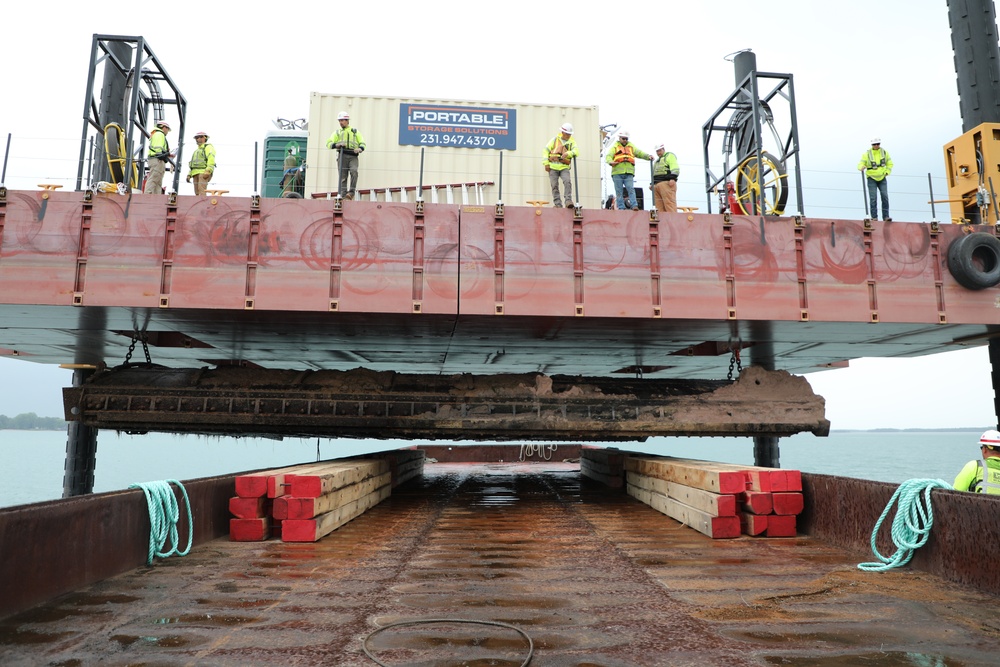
column 189, row 178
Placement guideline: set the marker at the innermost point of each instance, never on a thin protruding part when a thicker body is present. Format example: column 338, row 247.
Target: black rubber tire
column 974, row 261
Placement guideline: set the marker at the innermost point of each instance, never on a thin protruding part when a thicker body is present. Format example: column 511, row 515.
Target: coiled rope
column 911, row 526
column 163, row 515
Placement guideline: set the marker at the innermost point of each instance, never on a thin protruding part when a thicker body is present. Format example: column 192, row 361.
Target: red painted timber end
column 788, row 503
column 249, row 530
column 781, row 525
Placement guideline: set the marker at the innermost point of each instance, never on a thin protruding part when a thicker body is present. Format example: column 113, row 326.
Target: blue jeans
column 876, row 188
column 623, row 182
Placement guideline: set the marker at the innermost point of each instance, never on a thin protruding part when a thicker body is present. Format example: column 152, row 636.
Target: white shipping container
column 453, row 172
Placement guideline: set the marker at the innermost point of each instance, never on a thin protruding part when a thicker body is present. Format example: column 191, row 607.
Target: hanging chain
column 137, row 337
column 734, row 362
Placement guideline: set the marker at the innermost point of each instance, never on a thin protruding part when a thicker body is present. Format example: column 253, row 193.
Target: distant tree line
column 29, row 421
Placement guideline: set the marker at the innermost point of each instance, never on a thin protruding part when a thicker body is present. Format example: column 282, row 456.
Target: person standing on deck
column 665, row 173
column 971, row 477
column 558, row 158
column 351, row 144
column 621, row 156
column 877, row 165
column 157, row 158
column 202, row 164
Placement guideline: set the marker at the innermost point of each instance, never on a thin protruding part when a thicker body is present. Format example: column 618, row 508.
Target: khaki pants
column 556, row 175
column 665, row 196
column 154, row 179
column 201, row 182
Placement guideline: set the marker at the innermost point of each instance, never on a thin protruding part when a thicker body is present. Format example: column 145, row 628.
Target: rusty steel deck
column 592, row 576
column 445, row 289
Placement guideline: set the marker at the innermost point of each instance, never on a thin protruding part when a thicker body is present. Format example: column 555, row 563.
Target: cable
column 531, row 644
column 911, row 526
column 163, row 514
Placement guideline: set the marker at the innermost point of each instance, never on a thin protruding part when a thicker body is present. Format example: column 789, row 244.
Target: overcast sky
column 861, row 69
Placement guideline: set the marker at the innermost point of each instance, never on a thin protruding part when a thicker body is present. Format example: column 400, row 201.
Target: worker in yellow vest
column 622, row 156
column 350, row 144
column 557, row 159
column 982, row 475
column 202, row 164
column 877, row 165
column 665, row 173
column 157, row 158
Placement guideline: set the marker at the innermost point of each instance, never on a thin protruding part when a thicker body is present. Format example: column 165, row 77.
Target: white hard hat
column 343, row 115
column 201, row 134
column 163, row 123
column 623, row 134
column 567, row 128
column 990, row 438
column 660, row 147
column 876, row 140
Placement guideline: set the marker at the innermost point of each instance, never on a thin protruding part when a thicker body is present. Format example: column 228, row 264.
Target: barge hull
column 591, row 575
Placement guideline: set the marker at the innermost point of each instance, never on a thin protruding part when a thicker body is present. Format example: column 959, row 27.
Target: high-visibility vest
column 624, row 154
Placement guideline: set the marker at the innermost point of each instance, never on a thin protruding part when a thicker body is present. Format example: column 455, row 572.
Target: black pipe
column 576, row 179
column 500, row 181
column 930, row 188
column 993, row 198
column 3, row 177
column 420, row 181
column 864, row 193
column 255, row 146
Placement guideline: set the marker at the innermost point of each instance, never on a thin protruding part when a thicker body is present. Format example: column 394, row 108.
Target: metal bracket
column 255, row 201
column 653, row 217
column 338, row 204
column 498, row 211
column 419, row 211
column 727, row 217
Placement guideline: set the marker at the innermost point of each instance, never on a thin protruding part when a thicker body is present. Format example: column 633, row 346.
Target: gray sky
column 861, row 69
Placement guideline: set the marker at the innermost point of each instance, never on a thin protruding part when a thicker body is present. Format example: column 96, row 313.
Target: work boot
column 635, row 208
column 887, row 220
column 569, row 204
column 557, row 204
column 349, row 195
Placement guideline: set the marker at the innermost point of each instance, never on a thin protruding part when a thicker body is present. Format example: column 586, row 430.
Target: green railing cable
column 911, row 526
column 163, row 515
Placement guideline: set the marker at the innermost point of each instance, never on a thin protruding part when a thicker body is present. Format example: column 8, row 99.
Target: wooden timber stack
column 306, row 502
column 721, row 500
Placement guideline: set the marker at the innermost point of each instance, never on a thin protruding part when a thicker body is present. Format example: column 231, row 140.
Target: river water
column 33, row 461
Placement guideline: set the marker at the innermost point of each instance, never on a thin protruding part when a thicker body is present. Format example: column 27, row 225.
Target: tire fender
column 974, row 260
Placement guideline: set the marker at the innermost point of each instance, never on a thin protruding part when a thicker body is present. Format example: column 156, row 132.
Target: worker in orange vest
column 622, row 156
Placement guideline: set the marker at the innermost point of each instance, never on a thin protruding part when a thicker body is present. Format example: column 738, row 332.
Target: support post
column 765, row 447
column 81, row 451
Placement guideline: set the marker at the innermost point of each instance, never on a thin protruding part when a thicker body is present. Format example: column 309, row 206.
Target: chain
column 734, row 362
column 136, row 337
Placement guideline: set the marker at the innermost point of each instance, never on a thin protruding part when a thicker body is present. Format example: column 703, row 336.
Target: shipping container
column 470, row 152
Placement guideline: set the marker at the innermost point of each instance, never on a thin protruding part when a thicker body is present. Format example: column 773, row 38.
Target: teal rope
column 911, row 526
column 163, row 515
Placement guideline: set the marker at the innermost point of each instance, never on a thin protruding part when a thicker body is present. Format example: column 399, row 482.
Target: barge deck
column 592, row 576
